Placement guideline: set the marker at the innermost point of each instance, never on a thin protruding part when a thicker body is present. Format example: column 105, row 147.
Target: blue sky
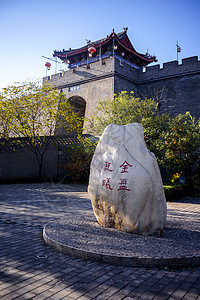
column 32, row 28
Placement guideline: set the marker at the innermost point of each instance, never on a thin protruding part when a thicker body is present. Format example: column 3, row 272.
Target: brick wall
column 93, row 84
column 22, row 163
column 17, row 161
column 180, row 85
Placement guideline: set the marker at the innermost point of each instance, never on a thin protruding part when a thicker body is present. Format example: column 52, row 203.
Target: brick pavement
column 29, row 269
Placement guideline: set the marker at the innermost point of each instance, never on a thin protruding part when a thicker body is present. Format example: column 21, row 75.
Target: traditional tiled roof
column 121, row 40
column 14, row 144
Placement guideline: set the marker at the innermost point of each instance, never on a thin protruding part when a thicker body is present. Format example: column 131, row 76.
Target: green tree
column 179, row 147
column 174, row 140
column 124, row 109
column 35, row 112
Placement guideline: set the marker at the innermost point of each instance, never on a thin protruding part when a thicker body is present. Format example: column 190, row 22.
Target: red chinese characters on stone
column 107, row 166
column 123, row 185
column 107, row 184
column 123, row 182
column 125, row 166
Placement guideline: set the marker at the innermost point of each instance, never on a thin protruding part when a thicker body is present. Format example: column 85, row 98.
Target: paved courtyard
column 29, row 269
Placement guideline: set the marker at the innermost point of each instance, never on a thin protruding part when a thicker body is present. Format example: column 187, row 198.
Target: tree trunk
column 40, row 168
column 40, row 155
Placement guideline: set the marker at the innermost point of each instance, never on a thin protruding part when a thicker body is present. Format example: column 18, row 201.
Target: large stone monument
column 125, row 184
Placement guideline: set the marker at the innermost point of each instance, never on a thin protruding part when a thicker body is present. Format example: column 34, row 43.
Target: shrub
column 174, row 192
column 78, row 166
column 178, row 151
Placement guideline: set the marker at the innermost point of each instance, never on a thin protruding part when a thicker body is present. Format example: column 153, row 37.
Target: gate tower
column 110, row 69
column 116, row 66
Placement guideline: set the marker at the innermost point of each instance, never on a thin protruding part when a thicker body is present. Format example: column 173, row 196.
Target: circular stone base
column 83, row 237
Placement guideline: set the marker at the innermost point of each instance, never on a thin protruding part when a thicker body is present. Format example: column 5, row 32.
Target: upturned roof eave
column 135, row 52
column 70, row 53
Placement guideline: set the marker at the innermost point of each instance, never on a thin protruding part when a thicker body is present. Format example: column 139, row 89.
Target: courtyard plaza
column 30, row 269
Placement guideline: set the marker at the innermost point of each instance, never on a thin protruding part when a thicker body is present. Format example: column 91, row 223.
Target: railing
column 101, row 57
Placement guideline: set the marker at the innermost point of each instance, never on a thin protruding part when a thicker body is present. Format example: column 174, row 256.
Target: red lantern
column 91, row 50
column 48, row 65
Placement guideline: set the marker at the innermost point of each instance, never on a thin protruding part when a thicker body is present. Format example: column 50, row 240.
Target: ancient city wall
column 92, row 84
column 92, row 92
column 81, row 75
column 177, row 86
column 190, row 65
column 126, row 77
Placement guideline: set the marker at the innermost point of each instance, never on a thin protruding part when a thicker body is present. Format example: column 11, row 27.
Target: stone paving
column 29, row 269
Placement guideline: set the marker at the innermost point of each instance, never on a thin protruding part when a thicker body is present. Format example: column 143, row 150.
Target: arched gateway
column 79, row 104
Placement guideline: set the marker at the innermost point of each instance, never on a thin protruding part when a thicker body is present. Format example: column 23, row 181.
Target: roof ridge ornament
column 125, row 29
